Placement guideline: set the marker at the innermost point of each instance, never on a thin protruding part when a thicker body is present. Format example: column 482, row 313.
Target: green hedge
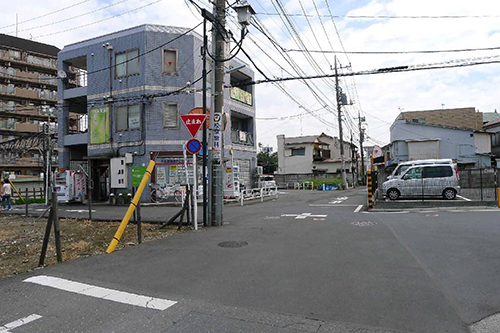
column 30, row 200
column 319, row 181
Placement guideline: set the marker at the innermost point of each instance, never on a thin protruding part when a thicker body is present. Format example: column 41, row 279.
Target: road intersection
column 299, row 264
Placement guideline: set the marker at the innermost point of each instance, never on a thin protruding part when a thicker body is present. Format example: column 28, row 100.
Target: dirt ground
column 21, row 240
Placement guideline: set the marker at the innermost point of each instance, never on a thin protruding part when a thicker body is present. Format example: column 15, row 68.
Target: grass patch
column 19, row 201
column 21, row 240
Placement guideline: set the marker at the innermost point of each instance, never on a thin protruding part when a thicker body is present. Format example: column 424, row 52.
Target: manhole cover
column 364, row 224
column 232, row 244
column 271, row 217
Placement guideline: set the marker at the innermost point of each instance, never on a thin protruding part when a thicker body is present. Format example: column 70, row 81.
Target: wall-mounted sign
column 99, row 125
column 241, row 95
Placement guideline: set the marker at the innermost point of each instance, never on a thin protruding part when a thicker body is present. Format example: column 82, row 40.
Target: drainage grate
column 364, row 224
column 232, row 244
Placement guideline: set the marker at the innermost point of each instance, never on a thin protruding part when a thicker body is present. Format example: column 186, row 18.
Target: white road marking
column 330, row 205
column 79, row 210
column 20, row 322
column 401, row 212
column 335, row 202
column 358, row 209
column 303, row 215
column 464, row 198
column 103, row 293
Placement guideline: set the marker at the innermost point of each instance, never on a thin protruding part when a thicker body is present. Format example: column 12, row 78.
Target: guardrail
column 254, row 193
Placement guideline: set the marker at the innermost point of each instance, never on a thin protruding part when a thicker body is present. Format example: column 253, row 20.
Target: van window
column 402, row 169
column 438, row 172
column 415, row 173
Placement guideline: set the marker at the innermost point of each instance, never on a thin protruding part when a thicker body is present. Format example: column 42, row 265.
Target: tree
column 268, row 160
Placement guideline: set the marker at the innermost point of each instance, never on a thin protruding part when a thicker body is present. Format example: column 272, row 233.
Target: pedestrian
column 6, row 193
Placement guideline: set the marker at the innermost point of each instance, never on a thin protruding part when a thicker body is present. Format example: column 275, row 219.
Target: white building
column 313, row 154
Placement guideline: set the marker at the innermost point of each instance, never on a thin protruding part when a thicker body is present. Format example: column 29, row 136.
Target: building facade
column 313, row 154
column 415, row 140
column 28, row 97
column 137, row 82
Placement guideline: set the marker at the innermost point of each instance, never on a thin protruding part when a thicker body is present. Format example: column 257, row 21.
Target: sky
column 322, row 26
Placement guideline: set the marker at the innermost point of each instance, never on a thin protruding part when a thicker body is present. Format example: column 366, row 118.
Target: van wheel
column 393, row 194
column 449, row 194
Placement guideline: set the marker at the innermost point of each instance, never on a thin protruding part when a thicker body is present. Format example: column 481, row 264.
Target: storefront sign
column 137, row 173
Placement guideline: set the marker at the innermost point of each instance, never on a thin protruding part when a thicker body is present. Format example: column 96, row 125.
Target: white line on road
column 330, row 205
column 464, row 198
column 103, row 293
column 303, row 215
column 358, row 209
column 79, row 210
column 20, row 322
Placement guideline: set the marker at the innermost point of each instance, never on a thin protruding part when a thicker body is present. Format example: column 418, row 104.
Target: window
column 438, row 172
column 298, row 151
column 415, row 173
column 127, row 63
column 170, row 62
column 128, row 117
column 170, row 115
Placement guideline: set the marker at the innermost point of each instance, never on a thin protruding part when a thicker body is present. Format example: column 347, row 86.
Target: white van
column 402, row 167
column 424, row 181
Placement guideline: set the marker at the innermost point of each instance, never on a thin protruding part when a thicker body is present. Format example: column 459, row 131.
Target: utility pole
column 216, row 121
column 361, row 139
column 339, row 111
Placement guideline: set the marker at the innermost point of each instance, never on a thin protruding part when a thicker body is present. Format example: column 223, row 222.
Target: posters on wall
column 99, row 125
column 171, row 170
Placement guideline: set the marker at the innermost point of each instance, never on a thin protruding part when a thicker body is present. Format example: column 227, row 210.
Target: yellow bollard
column 131, row 208
column 370, row 191
column 15, row 189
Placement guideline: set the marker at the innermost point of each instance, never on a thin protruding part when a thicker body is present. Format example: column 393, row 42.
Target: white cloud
column 380, row 96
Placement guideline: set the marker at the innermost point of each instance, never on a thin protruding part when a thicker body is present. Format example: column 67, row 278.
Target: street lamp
column 245, row 12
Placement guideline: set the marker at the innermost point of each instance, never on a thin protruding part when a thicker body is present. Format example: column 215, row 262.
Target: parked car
column 402, row 167
column 424, row 181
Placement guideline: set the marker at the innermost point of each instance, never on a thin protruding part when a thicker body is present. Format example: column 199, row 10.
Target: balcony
column 242, row 138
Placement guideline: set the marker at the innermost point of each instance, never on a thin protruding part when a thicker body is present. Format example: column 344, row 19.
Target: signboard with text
column 217, row 137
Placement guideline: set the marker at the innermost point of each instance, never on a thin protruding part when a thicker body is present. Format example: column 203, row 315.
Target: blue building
column 451, row 133
column 129, row 88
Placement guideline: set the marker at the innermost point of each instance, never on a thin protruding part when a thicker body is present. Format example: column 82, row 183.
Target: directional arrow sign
column 193, row 122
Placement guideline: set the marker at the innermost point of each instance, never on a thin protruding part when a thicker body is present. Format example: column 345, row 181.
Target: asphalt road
column 313, row 262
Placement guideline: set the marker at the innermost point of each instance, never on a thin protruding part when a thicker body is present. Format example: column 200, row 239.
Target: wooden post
column 57, row 231
column 41, row 192
column 45, row 240
column 26, row 196
column 34, row 193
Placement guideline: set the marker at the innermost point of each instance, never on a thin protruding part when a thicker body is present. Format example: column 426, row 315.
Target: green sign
column 99, row 125
column 137, row 174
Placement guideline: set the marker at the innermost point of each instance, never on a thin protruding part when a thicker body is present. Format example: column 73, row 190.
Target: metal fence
column 479, row 184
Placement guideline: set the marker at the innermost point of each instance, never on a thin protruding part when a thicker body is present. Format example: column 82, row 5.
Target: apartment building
column 28, row 97
column 133, row 97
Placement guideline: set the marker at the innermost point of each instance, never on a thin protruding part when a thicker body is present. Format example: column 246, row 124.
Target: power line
column 398, row 52
column 443, row 65
column 72, row 18
column 44, row 15
column 99, row 21
column 383, row 17
column 133, row 58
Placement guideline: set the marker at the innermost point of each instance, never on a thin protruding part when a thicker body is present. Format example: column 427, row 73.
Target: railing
column 242, row 137
column 28, row 58
column 254, row 194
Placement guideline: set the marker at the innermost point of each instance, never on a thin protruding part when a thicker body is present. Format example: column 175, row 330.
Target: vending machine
column 71, row 186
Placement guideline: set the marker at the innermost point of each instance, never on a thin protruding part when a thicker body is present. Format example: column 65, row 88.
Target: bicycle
column 162, row 193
